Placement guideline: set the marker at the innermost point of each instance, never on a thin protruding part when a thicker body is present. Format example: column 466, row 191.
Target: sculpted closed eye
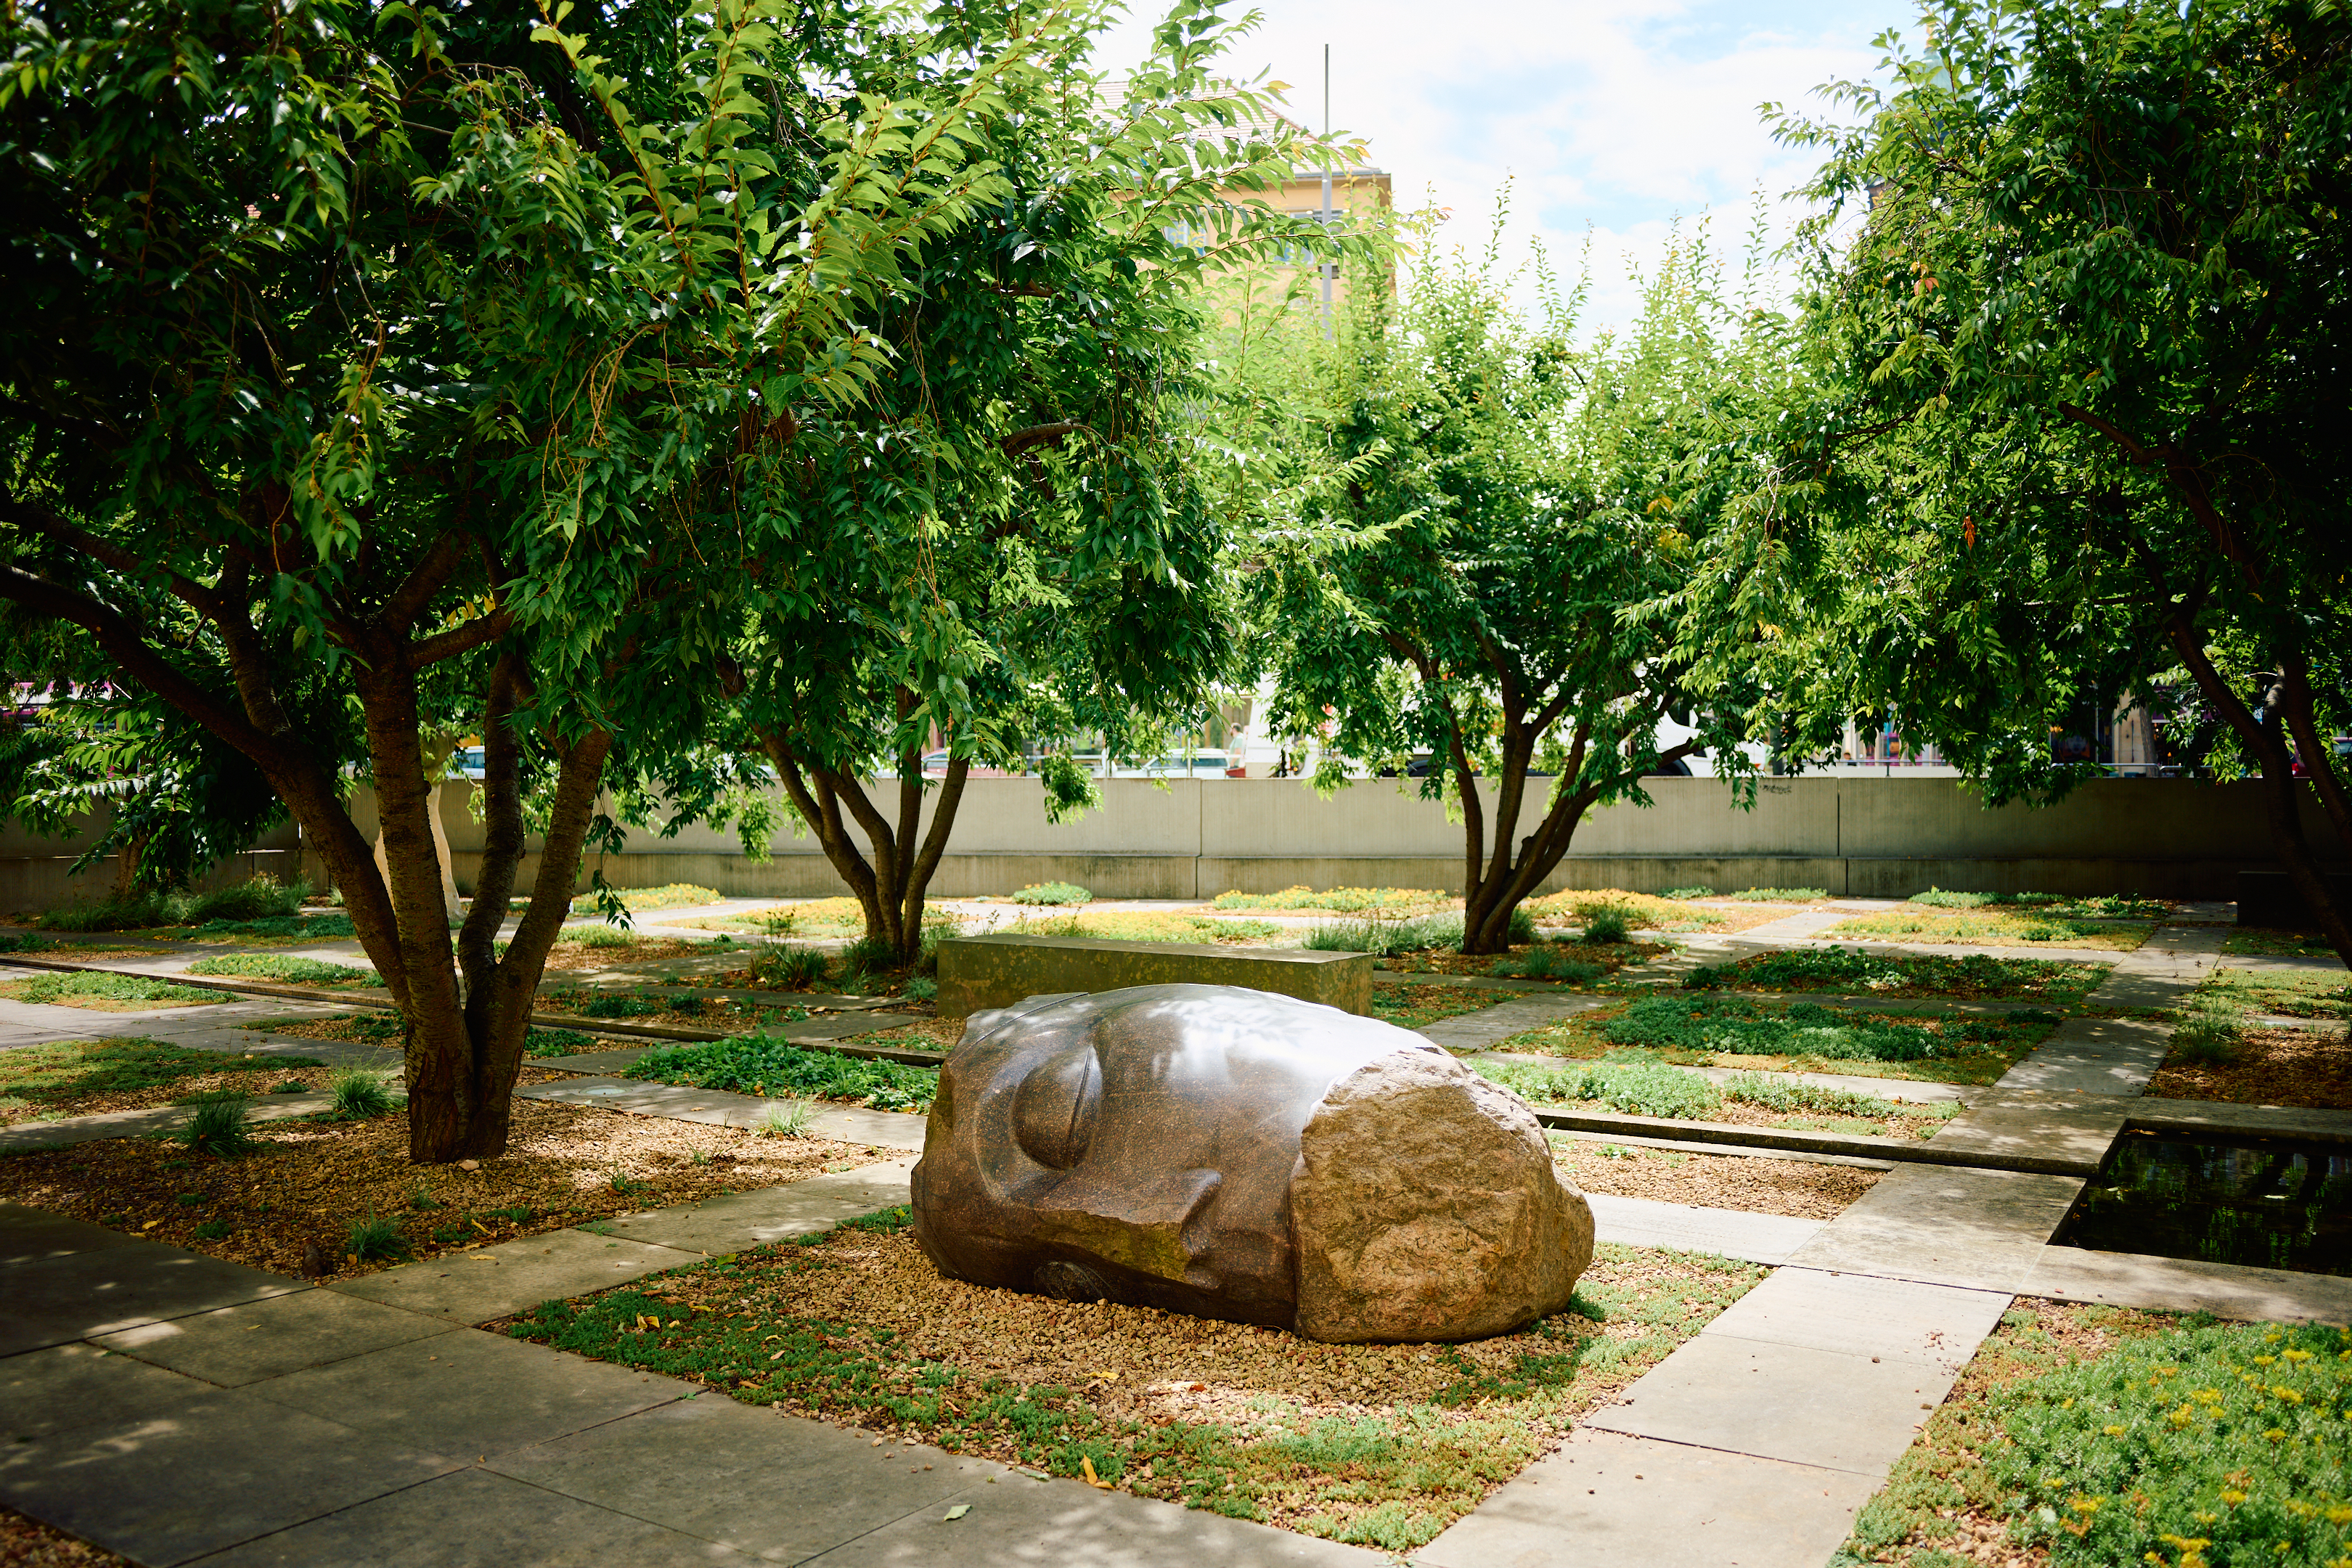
column 1054, row 1112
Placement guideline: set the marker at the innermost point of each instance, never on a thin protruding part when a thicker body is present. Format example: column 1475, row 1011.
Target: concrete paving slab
column 875, row 1128
column 745, row 1220
column 476, row 1520
column 1477, row 1031
column 2093, row 1056
column 1755, row 1238
column 1825, row 1408
column 467, row 1393
column 1980, row 1230
column 678, row 1104
column 593, row 1064
column 83, row 1294
column 1607, row 1500
column 2074, row 1132
column 775, row 1488
column 513, row 1277
column 1021, row 1521
column 28, row 1234
column 1894, row 1319
column 164, row 1486
column 243, row 1344
column 2221, row 1116
column 2187, row 1285
column 45, row 1392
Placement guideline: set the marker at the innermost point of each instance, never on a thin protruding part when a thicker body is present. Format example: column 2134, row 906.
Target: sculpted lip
column 1144, row 1145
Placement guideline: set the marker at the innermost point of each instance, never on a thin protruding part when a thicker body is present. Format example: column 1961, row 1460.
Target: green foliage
column 1608, row 924
column 2211, row 1031
column 1897, row 974
column 1546, row 962
column 787, row 1118
column 1684, row 894
column 2226, row 1436
column 1631, row 1081
column 1053, row 893
column 1418, row 935
column 1346, row 900
column 2058, row 906
column 18, row 942
column 2075, row 289
column 260, row 899
column 61, row 1071
column 98, row 986
column 1743, row 1027
column 289, row 967
column 561, row 1043
column 1775, row 1092
column 216, row 1126
column 1486, row 535
column 762, row 1064
column 1779, row 895
column 360, row 1094
column 599, row 936
column 377, row 1237
column 637, row 900
column 786, row 968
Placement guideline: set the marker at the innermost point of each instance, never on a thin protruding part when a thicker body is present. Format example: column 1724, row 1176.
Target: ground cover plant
column 639, row 900
column 1384, row 901
column 1645, row 912
column 1751, row 1183
column 2260, row 942
column 2097, row 906
column 102, row 992
column 804, row 918
column 82, row 1077
column 1757, row 1035
column 269, row 931
column 1379, row 1445
column 1638, row 1083
column 1411, row 1007
column 669, row 1009
column 2292, row 992
column 304, row 1182
column 290, row 968
column 1137, row 926
column 1779, row 895
column 2098, row 1436
column 386, row 1030
column 1994, row 929
column 259, row 897
column 1976, row 977
column 762, row 1064
column 1052, row 893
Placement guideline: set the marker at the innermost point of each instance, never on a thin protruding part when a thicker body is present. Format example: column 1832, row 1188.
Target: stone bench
column 980, row 972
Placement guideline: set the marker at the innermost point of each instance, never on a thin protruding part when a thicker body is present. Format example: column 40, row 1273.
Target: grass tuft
column 93, row 985
column 361, row 1095
column 1052, row 893
column 217, row 1125
column 376, row 1237
column 786, row 1118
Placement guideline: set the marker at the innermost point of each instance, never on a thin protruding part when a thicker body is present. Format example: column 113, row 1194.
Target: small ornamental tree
column 357, row 358
column 2078, row 310
column 1007, row 540
column 1488, row 532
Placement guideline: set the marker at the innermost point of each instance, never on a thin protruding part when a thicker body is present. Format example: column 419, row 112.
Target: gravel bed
column 26, row 1543
column 307, row 1183
column 1383, row 1444
column 1797, row 1188
column 2309, row 1068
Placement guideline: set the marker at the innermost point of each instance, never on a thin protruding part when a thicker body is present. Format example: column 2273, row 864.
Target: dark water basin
column 2269, row 1203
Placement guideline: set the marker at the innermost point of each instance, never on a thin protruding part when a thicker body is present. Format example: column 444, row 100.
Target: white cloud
column 1611, row 116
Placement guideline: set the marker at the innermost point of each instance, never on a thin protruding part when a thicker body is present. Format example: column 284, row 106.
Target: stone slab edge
column 1903, row 1151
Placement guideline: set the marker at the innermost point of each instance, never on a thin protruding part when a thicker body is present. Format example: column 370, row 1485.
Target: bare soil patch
column 1797, row 1188
column 1379, row 1445
column 2308, row 1067
column 309, row 1182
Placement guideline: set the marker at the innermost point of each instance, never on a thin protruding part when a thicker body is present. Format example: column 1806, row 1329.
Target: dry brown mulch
column 2304, row 1067
column 26, row 1543
column 1798, row 1188
column 569, row 955
column 310, row 1180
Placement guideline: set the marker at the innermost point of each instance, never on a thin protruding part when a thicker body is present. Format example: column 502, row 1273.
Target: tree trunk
column 892, row 886
column 2282, row 792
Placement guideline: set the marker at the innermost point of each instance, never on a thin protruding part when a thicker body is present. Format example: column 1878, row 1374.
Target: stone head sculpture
column 1230, row 1153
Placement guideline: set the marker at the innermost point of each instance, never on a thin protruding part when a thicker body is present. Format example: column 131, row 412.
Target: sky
column 1614, row 118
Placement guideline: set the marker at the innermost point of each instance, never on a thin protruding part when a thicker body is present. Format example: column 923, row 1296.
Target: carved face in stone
column 1136, row 1145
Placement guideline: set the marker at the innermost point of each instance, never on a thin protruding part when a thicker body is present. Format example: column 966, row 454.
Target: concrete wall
column 1195, row 839
column 34, row 871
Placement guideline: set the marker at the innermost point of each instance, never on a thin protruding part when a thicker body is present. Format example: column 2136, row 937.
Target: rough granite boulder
column 1425, row 1205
